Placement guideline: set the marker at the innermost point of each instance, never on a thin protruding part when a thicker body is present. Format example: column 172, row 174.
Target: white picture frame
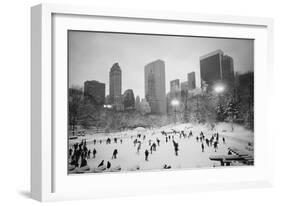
column 49, row 180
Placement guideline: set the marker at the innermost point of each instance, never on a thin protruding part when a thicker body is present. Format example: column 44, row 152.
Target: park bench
column 226, row 159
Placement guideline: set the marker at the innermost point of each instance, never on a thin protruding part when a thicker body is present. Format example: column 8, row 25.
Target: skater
column 101, row 163
column 151, row 149
column 158, row 142
column 223, row 140
column 146, row 153
column 154, row 146
column 115, row 140
column 121, row 141
column 89, row 154
column 94, row 153
column 167, row 166
column 176, row 149
column 114, row 155
column 197, row 139
column 202, row 147
column 216, row 146
column 83, row 162
column 207, row 142
column 135, row 142
column 69, row 153
column 108, row 165
column 139, row 147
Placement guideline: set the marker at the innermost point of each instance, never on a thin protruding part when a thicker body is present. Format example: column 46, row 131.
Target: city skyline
column 91, row 55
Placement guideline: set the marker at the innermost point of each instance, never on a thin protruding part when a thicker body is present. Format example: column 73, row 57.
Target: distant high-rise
column 216, row 67
column 174, row 85
column 155, row 88
column 115, row 83
column 191, row 80
column 228, row 70
column 129, row 99
column 95, row 91
column 184, row 91
column 175, row 89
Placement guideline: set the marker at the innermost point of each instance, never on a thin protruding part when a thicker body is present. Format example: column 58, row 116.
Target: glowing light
column 108, row 106
column 175, row 102
column 219, row 88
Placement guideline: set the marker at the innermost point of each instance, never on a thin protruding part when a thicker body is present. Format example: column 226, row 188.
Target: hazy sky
column 92, row 54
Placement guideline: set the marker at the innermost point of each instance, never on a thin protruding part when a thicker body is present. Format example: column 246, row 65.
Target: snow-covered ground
column 190, row 154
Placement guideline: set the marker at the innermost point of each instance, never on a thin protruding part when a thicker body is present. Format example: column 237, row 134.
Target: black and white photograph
column 150, row 102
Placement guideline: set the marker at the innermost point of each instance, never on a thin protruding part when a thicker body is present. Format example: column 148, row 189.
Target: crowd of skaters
column 79, row 152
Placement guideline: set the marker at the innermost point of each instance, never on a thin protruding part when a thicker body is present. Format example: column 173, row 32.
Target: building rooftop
column 211, row 54
column 115, row 67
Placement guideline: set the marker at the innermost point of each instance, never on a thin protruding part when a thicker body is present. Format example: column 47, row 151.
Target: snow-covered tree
column 231, row 111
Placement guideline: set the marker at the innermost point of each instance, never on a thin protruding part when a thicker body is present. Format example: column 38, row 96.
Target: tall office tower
column 155, row 88
column 175, row 89
column 191, row 80
column 115, row 83
column 184, row 91
column 129, row 99
column 228, row 70
column 216, row 67
column 95, row 91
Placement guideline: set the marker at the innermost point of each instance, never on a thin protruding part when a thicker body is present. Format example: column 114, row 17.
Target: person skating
column 101, row 163
column 216, row 146
column 202, row 147
column 94, row 153
column 158, row 141
column 146, row 153
column 223, row 140
column 83, row 162
column 114, row 155
column 108, row 165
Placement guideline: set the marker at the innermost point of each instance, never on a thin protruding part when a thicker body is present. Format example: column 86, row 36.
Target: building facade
column 175, row 89
column 95, row 92
column 191, row 80
column 155, row 88
column 129, row 99
column 115, row 83
column 216, row 67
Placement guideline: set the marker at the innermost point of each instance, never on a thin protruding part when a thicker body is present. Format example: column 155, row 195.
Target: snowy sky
column 91, row 55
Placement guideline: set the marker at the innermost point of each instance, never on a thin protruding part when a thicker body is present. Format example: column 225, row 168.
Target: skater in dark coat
column 223, row 140
column 216, row 146
column 158, row 141
column 114, row 155
column 94, row 153
column 146, row 153
column 101, row 163
column 108, row 165
column 83, row 162
column 202, row 147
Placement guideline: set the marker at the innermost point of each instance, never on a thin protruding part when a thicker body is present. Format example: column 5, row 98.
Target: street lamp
column 219, row 88
column 175, row 103
column 107, row 106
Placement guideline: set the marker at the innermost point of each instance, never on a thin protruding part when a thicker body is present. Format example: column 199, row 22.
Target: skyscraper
column 175, row 89
column 129, row 99
column 115, row 83
column 216, row 67
column 155, row 88
column 95, row 92
column 191, row 80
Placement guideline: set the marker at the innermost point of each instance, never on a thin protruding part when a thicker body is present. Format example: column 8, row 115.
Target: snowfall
column 189, row 156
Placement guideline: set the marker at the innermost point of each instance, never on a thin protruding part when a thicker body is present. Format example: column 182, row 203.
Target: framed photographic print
column 137, row 102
